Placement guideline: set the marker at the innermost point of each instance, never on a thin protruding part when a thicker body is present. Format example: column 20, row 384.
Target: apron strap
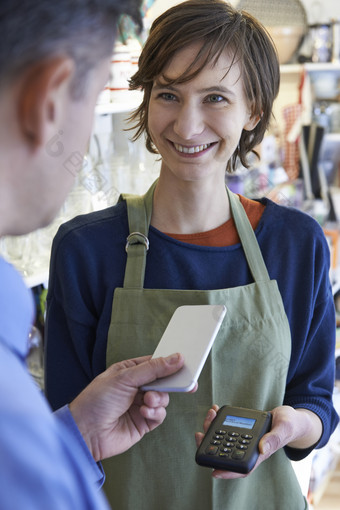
column 139, row 215
column 248, row 239
column 139, row 210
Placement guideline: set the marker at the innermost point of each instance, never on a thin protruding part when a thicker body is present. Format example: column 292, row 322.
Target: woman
column 210, row 75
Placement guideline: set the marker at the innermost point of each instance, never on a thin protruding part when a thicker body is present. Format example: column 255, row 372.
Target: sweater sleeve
column 70, row 326
column 87, row 263
column 312, row 372
column 312, row 387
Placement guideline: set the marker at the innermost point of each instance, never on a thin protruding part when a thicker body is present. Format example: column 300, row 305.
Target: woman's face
column 196, row 125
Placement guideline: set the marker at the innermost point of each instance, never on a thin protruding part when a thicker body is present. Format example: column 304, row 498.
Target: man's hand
column 297, row 428
column 112, row 413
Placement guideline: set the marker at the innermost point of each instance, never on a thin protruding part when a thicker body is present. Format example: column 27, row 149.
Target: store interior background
column 309, row 96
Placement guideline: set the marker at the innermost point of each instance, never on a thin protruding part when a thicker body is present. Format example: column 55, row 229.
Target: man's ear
column 43, row 98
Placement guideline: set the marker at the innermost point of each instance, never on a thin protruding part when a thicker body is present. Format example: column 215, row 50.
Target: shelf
column 327, row 66
column 291, row 68
column 334, row 137
column 122, row 102
column 310, row 67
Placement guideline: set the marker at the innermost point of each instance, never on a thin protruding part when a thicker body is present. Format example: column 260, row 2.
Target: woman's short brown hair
column 219, row 26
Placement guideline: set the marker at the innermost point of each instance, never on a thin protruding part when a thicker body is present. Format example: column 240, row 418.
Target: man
column 54, row 60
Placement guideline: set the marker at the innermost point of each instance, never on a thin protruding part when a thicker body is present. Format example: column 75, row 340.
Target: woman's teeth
column 191, row 150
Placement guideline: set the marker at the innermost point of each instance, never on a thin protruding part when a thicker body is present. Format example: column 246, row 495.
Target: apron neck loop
column 248, row 239
column 139, row 210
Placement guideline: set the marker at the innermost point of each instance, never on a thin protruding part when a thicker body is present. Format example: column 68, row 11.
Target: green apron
column 247, row 367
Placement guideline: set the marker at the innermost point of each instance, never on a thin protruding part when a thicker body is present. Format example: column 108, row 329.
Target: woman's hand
column 297, row 428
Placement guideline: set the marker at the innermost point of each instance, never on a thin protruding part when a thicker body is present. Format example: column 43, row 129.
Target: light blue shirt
column 44, row 461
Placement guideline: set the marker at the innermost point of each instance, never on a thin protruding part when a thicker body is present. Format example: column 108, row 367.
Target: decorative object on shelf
column 287, row 39
column 291, row 115
column 321, row 35
column 126, row 26
column 121, row 68
column 285, row 20
column 125, row 56
column 336, row 40
column 322, row 43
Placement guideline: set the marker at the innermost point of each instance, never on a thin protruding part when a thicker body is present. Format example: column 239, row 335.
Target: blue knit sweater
column 88, row 263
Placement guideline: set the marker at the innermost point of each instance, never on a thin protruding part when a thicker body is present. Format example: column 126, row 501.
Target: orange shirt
column 226, row 234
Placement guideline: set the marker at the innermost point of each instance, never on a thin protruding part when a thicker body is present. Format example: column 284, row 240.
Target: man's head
column 54, row 61
column 84, row 30
column 218, row 27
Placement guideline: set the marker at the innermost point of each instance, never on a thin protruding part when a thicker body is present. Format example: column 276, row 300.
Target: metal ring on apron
column 136, row 238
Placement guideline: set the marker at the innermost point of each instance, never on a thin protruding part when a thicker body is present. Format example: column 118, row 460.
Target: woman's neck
column 187, row 207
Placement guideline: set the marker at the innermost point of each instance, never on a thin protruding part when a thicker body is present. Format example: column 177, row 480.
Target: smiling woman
column 196, row 125
column 246, row 42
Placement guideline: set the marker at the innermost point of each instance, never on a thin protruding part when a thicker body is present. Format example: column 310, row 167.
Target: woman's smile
column 192, row 150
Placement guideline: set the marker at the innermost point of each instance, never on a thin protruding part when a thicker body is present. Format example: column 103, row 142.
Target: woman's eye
column 167, row 96
column 215, row 98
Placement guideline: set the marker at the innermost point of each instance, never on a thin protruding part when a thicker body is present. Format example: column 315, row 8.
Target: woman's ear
column 252, row 122
column 44, row 97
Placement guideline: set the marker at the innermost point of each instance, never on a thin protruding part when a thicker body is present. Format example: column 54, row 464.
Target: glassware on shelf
column 16, row 251
column 145, row 167
column 35, row 357
column 78, row 202
column 100, row 179
column 119, row 155
column 3, row 249
column 30, row 253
